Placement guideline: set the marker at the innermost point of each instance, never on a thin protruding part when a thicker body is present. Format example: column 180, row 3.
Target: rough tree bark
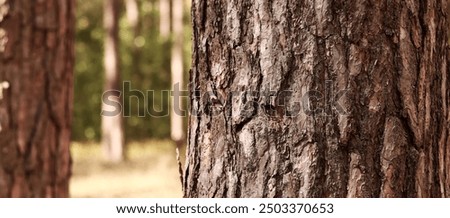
column 370, row 78
column 36, row 59
column 112, row 126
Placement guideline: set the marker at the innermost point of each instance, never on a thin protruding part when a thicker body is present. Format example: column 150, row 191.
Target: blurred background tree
column 176, row 65
column 112, row 126
column 145, row 62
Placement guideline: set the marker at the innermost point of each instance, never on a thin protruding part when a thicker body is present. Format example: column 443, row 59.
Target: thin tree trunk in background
column 132, row 12
column 36, row 60
column 134, row 20
column 386, row 135
column 112, row 129
column 176, row 66
column 164, row 18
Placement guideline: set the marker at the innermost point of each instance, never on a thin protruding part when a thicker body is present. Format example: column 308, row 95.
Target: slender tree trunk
column 134, row 20
column 164, row 18
column 176, row 65
column 36, row 67
column 132, row 11
column 319, row 99
column 112, row 129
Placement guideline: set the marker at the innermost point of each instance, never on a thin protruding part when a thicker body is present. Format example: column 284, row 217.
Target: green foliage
column 88, row 71
column 145, row 62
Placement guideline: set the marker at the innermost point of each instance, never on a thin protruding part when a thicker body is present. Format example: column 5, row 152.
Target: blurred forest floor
column 150, row 171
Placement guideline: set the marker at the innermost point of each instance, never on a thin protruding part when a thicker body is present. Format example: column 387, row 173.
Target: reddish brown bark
column 35, row 112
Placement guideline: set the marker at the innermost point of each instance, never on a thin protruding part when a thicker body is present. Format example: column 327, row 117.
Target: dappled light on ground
column 150, row 171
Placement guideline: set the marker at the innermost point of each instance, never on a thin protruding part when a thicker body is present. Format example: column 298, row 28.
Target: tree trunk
column 176, row 65
column 132, row 11
column 164, row 18
column 319, row 99
column 36, row 67
column 134, row 20
column 112, row 129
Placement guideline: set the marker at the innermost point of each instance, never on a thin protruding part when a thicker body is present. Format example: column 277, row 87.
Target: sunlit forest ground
column 151, row 171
